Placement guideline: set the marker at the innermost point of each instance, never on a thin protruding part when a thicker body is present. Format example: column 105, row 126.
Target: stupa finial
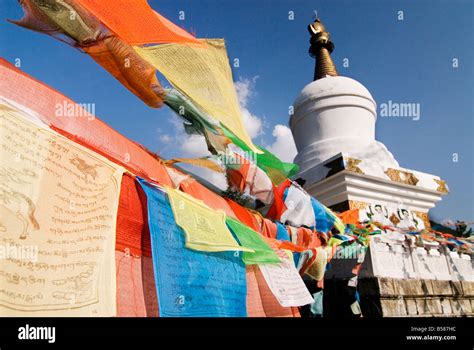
column 320, row 49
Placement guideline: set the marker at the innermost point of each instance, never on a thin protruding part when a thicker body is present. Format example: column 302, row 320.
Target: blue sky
column 402, row 61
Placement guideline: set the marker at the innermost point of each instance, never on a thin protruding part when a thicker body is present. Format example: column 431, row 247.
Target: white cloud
column 253, row 124
column 193, row 146
column 284, row 145
column 165, row 138
column 245, row 89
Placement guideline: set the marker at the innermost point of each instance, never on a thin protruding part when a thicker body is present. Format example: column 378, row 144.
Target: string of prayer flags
column 191, row 283
column 247, row 237
column 276, row 170
column 285, row 282
column 70, row 21
column 205, row 228
column 59, row 205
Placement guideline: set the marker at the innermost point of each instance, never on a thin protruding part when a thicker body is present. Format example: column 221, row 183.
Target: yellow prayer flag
column 58, row 211
column 202, row 73
column 205, row 228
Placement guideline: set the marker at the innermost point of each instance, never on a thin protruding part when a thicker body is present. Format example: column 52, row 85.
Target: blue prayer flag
column 188, row 282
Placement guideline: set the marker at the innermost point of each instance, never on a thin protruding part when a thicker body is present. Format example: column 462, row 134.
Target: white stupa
column 345, row 167
column 343, row 164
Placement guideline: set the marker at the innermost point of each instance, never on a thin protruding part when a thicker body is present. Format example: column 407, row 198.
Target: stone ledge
column 389, row 297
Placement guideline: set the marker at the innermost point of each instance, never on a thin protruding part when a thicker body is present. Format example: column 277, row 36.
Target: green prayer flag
column 248, row 238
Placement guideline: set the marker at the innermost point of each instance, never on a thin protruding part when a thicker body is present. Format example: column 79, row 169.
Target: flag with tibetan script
column 205, row 228
column 58, row 204
column 188, row 282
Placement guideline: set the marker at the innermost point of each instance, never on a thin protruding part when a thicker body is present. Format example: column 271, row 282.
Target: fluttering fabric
column 317, row 306
column 218, row 137
column 188, row 282
column 60, row 199
column 276, row 170
column 122, row 62
column 69, row 21
column 135, row 22
column 196, row 122
column 177, row 177
column 205, row 228
column 201, row 72
column 293, row 205
column 262, row 253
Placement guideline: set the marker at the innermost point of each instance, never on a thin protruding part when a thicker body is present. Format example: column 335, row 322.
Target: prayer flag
column 188, row 282
column 250, row 239
column 205, row 228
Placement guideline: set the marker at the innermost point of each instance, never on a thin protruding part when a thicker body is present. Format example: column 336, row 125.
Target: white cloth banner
column 285, row 282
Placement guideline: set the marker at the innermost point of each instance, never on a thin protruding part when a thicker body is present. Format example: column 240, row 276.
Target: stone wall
column 399, row 279
column 390, row 297
column 413, row 297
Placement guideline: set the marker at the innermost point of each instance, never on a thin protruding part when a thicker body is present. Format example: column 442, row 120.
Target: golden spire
column 320, row 49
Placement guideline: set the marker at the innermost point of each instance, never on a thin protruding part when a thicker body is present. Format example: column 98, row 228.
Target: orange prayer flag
column 350, row 216
column 135, row 22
